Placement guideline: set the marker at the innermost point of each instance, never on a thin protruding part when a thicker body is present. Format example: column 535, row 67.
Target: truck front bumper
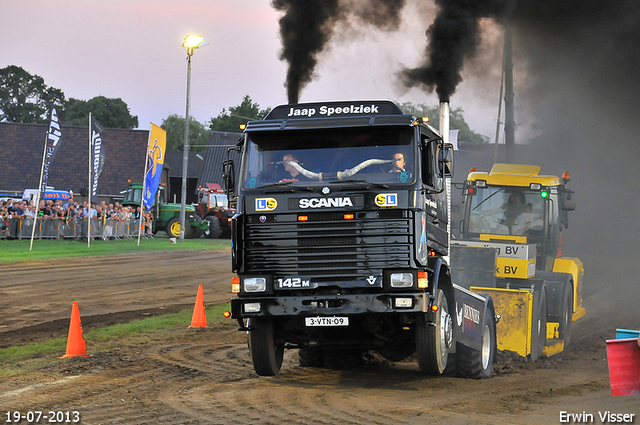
column 330, row 305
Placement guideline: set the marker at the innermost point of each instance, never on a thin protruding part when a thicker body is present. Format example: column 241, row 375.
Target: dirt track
column 205, row 376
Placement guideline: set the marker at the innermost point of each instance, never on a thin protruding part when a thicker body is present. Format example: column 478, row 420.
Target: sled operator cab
column 341, row 237
column 522, row 214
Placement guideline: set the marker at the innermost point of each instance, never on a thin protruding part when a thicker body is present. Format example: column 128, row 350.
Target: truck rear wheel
column 434, row 336
column 266, row 351
column 478, row 364
column 213, row 232
column 310, row 357
column 566, row 316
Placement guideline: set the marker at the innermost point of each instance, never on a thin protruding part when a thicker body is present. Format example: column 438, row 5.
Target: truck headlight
column 255, row 284
column 401, row 280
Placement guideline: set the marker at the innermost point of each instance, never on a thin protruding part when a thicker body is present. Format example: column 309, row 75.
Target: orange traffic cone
column 75, row 342
column 199, row 319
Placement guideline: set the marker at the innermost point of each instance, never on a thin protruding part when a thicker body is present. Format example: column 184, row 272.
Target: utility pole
column 510, row 123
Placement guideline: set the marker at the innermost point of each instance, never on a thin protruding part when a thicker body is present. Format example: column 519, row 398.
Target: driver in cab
column 517, row 213
column 291, row 173
column 399, row 163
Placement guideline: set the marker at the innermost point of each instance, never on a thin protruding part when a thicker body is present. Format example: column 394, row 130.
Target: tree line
column 25, row 98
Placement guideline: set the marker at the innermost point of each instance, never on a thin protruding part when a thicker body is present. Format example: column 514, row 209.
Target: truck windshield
column 505, row 210
column 377, row 155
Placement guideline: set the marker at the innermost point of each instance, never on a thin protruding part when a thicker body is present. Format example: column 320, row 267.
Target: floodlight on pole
column 191, row 42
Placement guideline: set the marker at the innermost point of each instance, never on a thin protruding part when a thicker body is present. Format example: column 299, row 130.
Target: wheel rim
column 486, row 347
column 175, row 228
column 446, row 331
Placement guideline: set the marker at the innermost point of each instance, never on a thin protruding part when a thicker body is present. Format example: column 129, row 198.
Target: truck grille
column 327, row 247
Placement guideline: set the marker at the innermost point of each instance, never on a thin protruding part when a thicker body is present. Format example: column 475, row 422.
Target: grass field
column 18, row 250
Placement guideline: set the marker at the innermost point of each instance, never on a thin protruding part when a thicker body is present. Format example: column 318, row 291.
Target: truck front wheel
column 266, row 351
column 434, row 336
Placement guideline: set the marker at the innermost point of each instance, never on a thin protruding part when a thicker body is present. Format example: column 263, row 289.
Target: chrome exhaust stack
column 444, row 121
column 444, row 133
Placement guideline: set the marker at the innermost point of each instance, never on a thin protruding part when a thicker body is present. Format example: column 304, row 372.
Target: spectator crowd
column 67, row 211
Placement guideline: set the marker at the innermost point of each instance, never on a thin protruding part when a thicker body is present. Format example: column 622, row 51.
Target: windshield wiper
column 289, row 189
column 488, row 197
column 272, row 185
column 367, row 183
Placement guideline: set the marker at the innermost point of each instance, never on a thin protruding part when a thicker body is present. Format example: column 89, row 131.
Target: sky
column 576, row 76
column 133, row 50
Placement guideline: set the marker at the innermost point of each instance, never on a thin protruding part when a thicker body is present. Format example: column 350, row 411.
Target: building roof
column 174, row 159
column 216, row 152
column 22, row 147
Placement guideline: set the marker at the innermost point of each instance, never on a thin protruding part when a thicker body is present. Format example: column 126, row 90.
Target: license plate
column 326, row 321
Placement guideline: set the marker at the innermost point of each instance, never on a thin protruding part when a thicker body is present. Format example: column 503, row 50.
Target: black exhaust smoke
column 308, row 25
column 305, row 29
column 453, row 37
column 603, row 33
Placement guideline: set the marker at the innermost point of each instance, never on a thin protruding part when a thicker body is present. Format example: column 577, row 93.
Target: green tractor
column 166, row 216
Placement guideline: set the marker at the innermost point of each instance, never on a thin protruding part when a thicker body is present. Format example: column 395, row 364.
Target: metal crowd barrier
column 60, row 228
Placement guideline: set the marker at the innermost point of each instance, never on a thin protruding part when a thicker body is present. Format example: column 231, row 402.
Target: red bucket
column 623, row 357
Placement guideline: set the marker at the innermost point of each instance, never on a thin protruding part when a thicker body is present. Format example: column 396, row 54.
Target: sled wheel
column 567, row 313
column 540, row 328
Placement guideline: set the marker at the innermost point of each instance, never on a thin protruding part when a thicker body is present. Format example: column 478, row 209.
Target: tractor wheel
column 566, row 316
column 478, row 364
column 434, row 336
column 196, row 231
column 213, row 232
column 173, row 228
column 266, row 351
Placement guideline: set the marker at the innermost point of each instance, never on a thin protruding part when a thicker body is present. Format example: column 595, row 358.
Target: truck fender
column 470, row 310
column 440, row 274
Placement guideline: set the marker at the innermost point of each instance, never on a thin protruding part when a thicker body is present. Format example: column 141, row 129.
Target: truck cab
column 341, row 237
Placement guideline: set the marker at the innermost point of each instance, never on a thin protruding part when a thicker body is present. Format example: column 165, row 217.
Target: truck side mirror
column 568, row 200
column 228, row 178
column 445, row 160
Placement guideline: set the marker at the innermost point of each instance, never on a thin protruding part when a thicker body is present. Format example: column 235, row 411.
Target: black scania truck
column 340, row 242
